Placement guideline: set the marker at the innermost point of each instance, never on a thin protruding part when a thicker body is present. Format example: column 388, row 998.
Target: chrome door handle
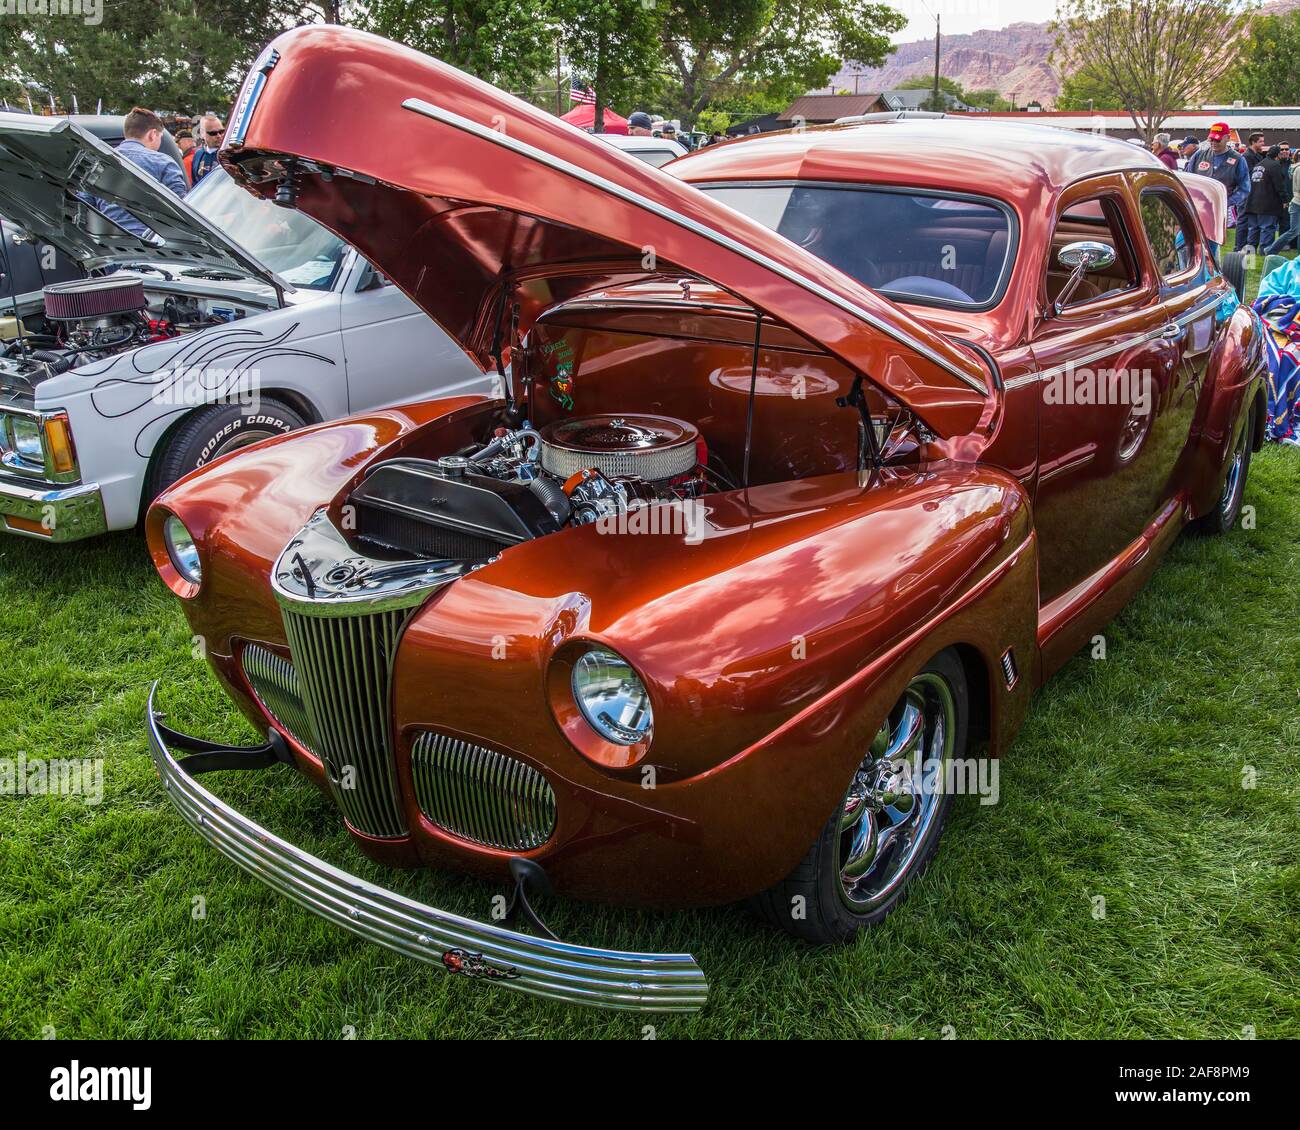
column 1172, row 332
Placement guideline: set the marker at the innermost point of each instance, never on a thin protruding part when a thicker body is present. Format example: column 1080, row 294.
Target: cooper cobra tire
column 218, row 430
column 830, row 896
column 1233, row 266
column 1228, row 509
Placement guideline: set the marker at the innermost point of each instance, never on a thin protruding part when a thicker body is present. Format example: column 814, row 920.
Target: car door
column 1109, row 375
column 395, row 353
column 1192, row 295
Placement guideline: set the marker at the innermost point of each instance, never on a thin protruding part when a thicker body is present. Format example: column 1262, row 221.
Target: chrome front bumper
column 643, row 982
column 67, row 513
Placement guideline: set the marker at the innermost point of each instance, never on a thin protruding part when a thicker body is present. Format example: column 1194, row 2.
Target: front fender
column 772, row 648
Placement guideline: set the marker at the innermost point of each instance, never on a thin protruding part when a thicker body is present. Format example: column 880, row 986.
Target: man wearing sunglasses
column 205, row 158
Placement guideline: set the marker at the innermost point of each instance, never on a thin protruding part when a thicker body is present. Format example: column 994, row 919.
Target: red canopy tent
column 583, row 116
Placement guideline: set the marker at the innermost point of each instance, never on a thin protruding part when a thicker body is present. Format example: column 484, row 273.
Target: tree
column 614, row 46
column 1266, row 74
column 716, row 49
column 1086, row 89
column 185, row 55
column 510, row 43
column 949, row 91
column 1157, row 55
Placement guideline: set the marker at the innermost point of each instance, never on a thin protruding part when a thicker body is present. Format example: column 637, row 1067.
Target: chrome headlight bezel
column 182, row 549
column 612, row 697
column 27, row 439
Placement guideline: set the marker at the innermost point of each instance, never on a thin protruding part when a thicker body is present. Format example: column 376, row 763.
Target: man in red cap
column 1218, row 161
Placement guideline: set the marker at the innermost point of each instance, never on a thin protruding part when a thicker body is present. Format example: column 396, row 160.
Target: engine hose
column 56, row 363
column 552, row 496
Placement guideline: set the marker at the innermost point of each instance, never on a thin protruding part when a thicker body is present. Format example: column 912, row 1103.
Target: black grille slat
column 344, row 664
column 481, row 795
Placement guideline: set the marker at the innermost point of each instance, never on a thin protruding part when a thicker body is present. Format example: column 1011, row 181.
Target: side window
column 1170, row 234
column 1098, row 220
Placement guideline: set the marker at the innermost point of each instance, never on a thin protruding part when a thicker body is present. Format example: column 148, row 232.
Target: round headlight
column 182, row 550
column 27, row 440
column 612, row 697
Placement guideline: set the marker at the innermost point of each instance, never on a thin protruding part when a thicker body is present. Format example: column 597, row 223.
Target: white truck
column 237, row 321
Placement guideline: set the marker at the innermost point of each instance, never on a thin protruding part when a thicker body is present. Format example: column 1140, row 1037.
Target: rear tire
column 218, row 430
column 881, row 837
column 1228, row 509
column 1233, row 266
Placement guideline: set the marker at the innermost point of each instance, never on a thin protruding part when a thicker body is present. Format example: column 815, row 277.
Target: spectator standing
column 639, row 124
column 205, row 159
column 1292, row 234
column 1186, row 148
column 1161, row 148
column 1218, row 161
column 1254, row 149
column 1269, row 192
column 143, row 130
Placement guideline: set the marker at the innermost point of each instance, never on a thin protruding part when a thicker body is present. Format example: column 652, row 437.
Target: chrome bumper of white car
column 51, row 513
column 644, row 982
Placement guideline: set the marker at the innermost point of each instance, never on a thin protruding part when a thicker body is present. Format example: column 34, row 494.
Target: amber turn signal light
column 58, row 444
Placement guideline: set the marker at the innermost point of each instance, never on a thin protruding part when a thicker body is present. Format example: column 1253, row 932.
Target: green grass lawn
column 1126, row 783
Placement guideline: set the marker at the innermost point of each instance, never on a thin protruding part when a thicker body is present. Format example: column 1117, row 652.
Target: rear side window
column 1170, row 233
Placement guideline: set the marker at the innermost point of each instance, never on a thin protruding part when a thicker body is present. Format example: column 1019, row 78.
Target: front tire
column 217, row 430
column 883, row 834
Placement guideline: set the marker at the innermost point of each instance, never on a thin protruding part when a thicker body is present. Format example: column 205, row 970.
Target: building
column 1276, row 123
column 822, row 109
column 915, row 99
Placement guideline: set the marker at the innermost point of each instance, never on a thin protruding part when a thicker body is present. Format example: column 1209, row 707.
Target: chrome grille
column 275, row 683
column 343, row 665
column 481, row 795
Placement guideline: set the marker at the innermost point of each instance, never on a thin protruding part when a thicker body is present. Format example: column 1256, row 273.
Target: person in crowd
column 1219, row 161
column 639, row 124
column 1164, row 151
column 1255, row 149
column 1291, row 234
column 205, row 159
column 1269, row 192
column 1186, row 148
column 185, row 143
column 143, row 131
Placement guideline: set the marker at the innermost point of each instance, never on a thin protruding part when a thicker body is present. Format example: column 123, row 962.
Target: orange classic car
column 814, row 456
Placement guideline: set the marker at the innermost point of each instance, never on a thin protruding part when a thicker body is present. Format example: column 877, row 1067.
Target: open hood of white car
column 47, row 166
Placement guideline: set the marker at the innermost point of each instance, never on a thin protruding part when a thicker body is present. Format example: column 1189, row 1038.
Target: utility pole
column 936, row 62
column 559, row 83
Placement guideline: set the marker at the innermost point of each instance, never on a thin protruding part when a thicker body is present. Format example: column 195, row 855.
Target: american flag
column 580, row 92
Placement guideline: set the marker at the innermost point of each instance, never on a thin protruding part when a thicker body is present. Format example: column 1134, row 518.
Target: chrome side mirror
column 1081, row 257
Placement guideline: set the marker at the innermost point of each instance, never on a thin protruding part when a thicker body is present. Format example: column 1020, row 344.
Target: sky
column 959, row 16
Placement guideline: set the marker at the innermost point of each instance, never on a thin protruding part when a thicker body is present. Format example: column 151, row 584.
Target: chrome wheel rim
column 244, row 439
column 889, row 812
column 1233, row 481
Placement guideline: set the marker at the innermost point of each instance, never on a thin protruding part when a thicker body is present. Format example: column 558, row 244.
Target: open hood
column 45, row 163
column 463, row 195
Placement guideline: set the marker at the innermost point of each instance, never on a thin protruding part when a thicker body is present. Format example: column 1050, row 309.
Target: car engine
column 526, row 483
column 88, row 319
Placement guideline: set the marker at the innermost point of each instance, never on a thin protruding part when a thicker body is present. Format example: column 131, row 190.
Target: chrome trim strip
column 457, row 121
column 641, row 982
column 1127, row 343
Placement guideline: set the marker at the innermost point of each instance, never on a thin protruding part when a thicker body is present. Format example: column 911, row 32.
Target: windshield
column 656, row 157
column 289, row 243
column 912, row 246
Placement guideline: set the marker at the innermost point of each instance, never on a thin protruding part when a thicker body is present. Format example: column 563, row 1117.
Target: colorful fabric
column 1279, row 313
